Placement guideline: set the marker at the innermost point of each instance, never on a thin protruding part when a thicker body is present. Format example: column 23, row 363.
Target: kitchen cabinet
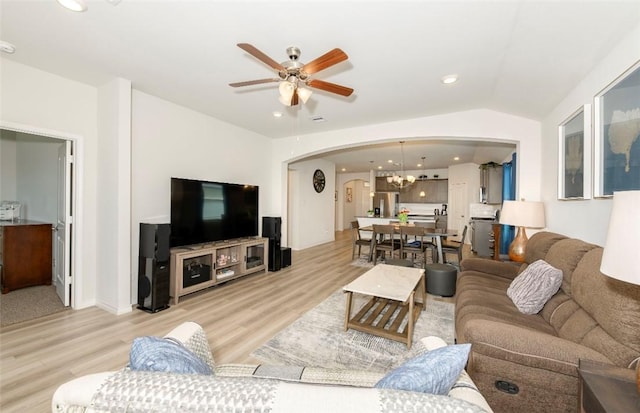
column 436, row 192
column 383, row 186
column 491, row 183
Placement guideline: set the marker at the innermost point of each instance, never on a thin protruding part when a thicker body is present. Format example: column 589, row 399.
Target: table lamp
column 620, row 255
column 529, row 214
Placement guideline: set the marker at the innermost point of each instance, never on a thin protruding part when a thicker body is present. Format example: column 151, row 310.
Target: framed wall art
column 349, row 195
column 617, row 135
column 574, row 155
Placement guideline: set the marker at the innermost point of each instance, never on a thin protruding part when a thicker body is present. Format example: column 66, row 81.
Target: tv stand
column 196, row 267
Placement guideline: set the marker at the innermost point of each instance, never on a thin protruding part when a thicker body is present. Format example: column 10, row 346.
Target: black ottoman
column 441, row 279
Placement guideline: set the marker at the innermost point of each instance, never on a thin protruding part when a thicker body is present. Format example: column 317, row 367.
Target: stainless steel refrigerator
column 387, row 202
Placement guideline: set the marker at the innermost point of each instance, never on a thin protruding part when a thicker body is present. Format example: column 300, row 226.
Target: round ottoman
column 441, row 279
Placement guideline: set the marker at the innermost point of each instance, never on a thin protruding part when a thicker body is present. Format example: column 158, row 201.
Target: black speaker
column 285, row 259
column 153, row 267
column 271, row 227
column 154, row 241
column 275, row 255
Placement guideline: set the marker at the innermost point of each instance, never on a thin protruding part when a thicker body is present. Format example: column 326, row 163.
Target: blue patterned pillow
column 431, row 372
column 165, row 354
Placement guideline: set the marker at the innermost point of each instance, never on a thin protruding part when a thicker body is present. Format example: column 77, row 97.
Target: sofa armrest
column 75, row 395
column 526, row 347
column 502, row 269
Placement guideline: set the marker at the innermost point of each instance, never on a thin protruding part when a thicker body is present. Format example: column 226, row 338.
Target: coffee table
column 393, row 290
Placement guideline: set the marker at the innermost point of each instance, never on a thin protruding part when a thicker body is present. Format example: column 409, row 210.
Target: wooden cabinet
column 25, row 254
column 436, row 192
column 491, row 183
column 383, row 186
column 197, row 267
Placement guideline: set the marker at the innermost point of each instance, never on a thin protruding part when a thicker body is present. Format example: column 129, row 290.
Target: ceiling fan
column 293, row 75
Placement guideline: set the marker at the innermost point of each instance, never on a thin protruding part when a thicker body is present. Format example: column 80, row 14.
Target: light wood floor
column 37, row 356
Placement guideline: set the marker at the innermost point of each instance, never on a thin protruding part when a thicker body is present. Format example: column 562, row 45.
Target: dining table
column 435, row 233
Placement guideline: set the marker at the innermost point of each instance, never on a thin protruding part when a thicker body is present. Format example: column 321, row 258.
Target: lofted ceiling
column 518, row 57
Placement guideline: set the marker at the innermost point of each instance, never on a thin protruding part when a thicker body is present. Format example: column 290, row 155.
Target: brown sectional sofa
column 591, row 317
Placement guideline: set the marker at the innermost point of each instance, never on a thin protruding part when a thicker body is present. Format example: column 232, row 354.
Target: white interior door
column 62, row 243
column 459, row 204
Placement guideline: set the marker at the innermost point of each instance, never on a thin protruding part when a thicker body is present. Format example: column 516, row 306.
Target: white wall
column 342, row 221
column 313, row 222
column 63, row 107
column 172, row 141
column 586, row 219
column 114, row 279
column 37, row 177
column 475, row 124
column 8, row 166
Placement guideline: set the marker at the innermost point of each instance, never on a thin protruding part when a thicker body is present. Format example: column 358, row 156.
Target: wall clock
column 318, row 180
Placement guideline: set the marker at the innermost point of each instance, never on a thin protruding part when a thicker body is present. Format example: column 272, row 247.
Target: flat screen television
column 203, row 211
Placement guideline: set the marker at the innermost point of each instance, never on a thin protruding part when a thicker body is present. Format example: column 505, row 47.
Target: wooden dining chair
column 384, row 241
column 357, row 240
column 454, row 247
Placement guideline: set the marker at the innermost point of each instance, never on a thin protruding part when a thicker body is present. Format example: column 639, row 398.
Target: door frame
column 77, row 194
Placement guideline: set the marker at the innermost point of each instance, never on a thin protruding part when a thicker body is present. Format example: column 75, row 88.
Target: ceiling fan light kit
column 74, row 5
column 293, row 75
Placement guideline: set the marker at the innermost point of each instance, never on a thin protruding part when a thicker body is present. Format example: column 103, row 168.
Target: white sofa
column 254, row 388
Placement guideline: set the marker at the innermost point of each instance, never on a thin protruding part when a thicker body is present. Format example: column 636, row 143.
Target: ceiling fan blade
column 253, row 82
column 260, row 56
column 330, row 87
column 328, row 59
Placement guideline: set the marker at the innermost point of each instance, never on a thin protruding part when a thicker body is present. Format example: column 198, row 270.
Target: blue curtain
column 508, row 193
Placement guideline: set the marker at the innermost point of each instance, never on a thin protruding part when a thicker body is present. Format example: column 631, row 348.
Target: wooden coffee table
column 392, row 289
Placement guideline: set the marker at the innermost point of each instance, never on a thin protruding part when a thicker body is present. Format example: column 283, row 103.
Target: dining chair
column 414, row 242
column 454, row 247
column 358, row 241
column 384, row 241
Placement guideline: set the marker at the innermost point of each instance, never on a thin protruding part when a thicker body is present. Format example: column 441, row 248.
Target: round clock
column 318, row 180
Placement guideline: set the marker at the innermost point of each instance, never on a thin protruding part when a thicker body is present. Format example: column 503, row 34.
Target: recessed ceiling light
column 7, row 47
column 457, row 158
column 343, row 169
column 74, row 5
column 379, row 167
column 390, row 161
column 447, row 80
column 277, row 114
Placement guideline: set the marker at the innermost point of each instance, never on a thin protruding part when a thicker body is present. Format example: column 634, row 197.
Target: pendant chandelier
column 401, row 181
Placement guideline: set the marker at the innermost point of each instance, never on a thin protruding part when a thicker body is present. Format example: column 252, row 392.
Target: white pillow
column 531, row 290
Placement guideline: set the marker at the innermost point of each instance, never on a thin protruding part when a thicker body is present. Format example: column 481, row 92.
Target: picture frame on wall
column 349, row 195
column 617, row 135
column 574, row 155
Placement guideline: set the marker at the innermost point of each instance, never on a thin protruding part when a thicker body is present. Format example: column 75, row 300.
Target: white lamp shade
column 528, row 214
column 286, row 90
column 75, row 5
column 619, row 259
column 304, row 94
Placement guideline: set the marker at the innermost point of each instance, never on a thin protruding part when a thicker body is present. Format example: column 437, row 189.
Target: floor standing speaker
column 275, row 257
column 271, row 229
column 153, row 267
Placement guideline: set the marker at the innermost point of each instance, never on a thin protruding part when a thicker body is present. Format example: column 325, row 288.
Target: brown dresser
column 25, row 254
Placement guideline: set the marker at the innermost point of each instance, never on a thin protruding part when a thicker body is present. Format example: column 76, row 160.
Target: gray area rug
column 363, row 261
column 29, row 303
column 318, row 338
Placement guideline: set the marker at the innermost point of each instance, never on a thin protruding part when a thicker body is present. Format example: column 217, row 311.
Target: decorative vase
column 403, row 218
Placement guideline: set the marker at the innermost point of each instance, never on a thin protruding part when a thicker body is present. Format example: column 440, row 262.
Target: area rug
column 318, row 338
column 29, row 303
column 363, row 261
